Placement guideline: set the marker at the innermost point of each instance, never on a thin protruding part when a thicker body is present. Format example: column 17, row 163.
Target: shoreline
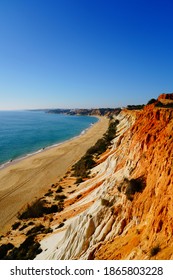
column 27, row 179
column 24, row 156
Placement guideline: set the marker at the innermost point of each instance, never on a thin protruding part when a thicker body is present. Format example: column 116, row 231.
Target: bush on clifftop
column 151, row 101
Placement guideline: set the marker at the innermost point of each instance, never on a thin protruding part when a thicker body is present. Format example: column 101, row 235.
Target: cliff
column 147, row 218
column 128, row 212
column 91, row 112
column 124, row 210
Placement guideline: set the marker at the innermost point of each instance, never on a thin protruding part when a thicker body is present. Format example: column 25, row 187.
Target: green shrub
column 60, row 197
column 82, row 167
column 110, row 134
column 154, row 251
column 38, row 209
column 79, row 196
column 135, row 107
column 4, row 248
column 79, row 180
column 151, row 101
column 49, row 193
column 26, row 251
column 98, row 148
column 35, row 230
column 34, row 210
column 53, row 209
column 160, row 104
column 133, row 186
column 60, row 225
column 48, row 230
column 23, row 227
column 16, row 225
column 38, row 229
column 59, row 190
column 31, row 223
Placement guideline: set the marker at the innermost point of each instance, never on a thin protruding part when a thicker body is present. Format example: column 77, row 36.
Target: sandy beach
column 30, row 178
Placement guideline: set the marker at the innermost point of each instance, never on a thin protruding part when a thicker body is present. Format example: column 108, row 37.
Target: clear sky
column 84, row 53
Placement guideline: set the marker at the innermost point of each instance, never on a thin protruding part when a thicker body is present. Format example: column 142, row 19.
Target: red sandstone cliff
column 125, row 209
column 129, row 202
column 151, row 137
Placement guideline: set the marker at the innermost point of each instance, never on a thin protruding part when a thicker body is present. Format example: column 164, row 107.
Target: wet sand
column 30, row 178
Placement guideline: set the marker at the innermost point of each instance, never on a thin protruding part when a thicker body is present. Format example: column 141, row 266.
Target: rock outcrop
column 166, row 98
column 128, row 201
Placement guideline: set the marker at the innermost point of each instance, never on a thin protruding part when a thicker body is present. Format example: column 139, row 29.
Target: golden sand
column 30, row 178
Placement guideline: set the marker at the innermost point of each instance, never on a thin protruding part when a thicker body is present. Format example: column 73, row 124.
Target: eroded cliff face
column 125, row 210
column 149, row 215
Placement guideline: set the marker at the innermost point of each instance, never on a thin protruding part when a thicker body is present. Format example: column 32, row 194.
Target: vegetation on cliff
column 135, row 107
column 38, row 209
column 82, row 167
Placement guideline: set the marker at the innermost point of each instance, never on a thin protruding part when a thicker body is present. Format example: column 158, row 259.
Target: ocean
column 23, row 133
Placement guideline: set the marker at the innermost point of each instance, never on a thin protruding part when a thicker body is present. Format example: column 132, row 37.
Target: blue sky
column 84, row 53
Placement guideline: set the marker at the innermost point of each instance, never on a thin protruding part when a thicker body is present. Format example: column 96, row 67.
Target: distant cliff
column 97, row 112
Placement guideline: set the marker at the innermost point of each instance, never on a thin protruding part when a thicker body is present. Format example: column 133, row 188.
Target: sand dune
column 31, row 177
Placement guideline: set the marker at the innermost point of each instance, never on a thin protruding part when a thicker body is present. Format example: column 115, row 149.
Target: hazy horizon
column 84, row 54
column 55, row 108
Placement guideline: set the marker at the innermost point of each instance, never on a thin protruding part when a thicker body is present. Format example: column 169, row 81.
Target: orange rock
column 152, row 140
column 166, row 96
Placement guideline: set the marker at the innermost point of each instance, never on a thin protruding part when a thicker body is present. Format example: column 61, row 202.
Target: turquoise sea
column 25, row 132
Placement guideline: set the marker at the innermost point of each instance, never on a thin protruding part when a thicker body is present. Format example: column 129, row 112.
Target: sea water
column 26, row 132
